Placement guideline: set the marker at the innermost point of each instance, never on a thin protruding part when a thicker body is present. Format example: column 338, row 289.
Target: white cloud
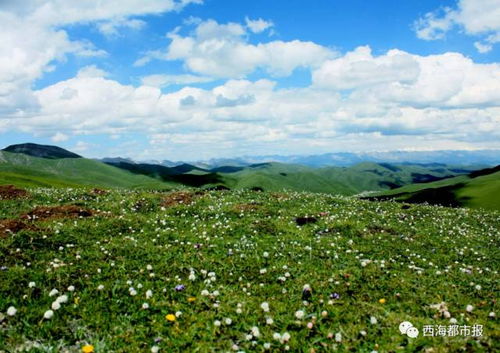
column 161, row 80
column 459, row 108
column 61, row 12
column 112, row 28
column 483, row 47
column 360, row 69
column 59, row 137
column 33, row 41
column 91, row 71
column 259, row 25
column 477, row 18
column 447, row 80
column 434, row 25
column 223, row 51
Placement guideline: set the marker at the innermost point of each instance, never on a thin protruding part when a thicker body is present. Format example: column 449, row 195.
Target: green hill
column 341, row 180
column 480, row 189
column 23, row 170
column 59, row 167
column 42, row 151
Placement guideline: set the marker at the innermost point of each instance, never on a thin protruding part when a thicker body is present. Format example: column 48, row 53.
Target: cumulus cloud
column 61, row 12
column 259, row 25
column 241, row 115
column 476, row 18
column 360, row 69
column 446, row 80
column 223, row 51
column 33, row 40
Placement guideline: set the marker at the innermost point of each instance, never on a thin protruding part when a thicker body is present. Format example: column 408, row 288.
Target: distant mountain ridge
column 41, row 151
column 345, row 159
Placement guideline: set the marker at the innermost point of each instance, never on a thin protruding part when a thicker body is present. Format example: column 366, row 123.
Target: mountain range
column 345, row 159
column 51, row 166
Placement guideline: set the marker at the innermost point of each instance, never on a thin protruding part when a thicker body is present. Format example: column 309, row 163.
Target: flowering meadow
column 242, row 271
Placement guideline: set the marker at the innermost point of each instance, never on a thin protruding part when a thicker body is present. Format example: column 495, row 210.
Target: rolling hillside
column 479, row 189
column 24, row 170
column 61, row 168
column 342, row 180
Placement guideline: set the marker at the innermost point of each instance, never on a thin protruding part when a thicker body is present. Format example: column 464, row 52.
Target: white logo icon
column 406, row 328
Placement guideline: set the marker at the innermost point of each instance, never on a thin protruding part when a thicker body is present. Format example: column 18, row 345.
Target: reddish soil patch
column 178, row 198
column 10, row 192
column 66, row 211
column 9, row 226
column 97, row 191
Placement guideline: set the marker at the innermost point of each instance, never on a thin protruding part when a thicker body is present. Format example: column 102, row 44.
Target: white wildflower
column 255, row 331
column 48, row 314
column 299, row 314
column 11, row 311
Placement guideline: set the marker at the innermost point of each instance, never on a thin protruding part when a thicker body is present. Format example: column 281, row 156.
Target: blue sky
column 197, row 79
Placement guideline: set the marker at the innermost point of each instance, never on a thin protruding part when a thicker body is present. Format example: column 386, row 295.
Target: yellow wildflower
column 88, row 348
column 170, row 317
column 381, row 301
column 191, row 299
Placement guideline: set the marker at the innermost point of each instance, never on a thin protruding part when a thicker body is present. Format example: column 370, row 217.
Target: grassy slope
column 479, row 192
column 23, row 170
column 364, row 251
column 277, row 176
column 346, row 181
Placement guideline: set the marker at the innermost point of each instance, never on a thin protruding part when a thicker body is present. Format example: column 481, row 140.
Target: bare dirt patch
column 10, row 192
column 178, row 198
column 97, row 191
column 10, row 226
column 51, row 212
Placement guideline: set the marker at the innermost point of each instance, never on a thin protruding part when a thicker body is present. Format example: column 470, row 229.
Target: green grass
column 364, row 251
column 479, row 192
column 23, row 170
